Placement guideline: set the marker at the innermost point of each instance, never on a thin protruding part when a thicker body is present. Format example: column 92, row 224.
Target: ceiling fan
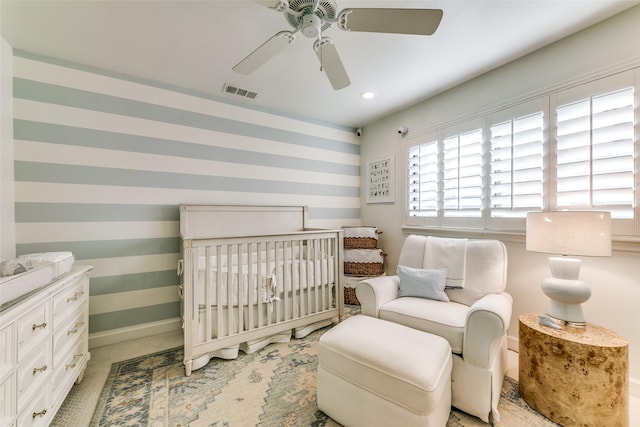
column 312, row 17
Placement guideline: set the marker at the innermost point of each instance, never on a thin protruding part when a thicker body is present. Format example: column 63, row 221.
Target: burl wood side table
column 574, row 376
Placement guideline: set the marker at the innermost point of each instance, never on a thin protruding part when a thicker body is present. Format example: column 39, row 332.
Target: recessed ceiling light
column 367, row 95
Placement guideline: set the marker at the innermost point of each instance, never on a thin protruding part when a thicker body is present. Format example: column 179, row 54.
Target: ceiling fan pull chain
column 320, row 47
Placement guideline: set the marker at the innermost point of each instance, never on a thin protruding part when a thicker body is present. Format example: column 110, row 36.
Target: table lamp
column 581, row 233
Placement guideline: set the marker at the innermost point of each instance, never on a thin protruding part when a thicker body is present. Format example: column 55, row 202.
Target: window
column 523, row 159
column 594, row 150
column 517, row 166
column 423, row 180
column 462, row 174
column 445, row 178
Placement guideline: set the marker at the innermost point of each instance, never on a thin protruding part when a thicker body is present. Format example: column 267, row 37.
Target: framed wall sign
column 380, row 173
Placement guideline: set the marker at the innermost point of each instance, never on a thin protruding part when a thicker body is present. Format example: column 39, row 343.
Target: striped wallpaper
column 103, row 161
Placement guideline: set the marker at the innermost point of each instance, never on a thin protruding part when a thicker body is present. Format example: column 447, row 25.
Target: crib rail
column 240, row 289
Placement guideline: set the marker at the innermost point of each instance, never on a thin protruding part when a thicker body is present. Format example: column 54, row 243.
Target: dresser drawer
column 69, row 365
column 7, row 400
column 32, row 328
column 37, row 412
column 66, row 302
column 33, row 371
column 7, row 347
column 70, row 331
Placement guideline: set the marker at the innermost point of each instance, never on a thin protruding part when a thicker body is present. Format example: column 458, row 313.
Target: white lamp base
column 565, row 291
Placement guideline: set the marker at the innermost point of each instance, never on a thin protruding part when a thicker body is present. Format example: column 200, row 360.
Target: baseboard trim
column 512, row 343
column 114, row 336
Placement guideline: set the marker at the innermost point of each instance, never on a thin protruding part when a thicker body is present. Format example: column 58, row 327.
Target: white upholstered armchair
column 474, row 319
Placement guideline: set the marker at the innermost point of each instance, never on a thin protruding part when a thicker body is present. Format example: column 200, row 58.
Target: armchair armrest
column 487, row 321
column 375, row 292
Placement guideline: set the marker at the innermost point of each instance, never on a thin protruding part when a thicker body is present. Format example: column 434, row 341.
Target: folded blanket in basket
column 360, row 237
column 365, row 262
column 369, row 232
column 363, row 255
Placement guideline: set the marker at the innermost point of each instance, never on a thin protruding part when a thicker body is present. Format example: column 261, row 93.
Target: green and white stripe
column 102, row 162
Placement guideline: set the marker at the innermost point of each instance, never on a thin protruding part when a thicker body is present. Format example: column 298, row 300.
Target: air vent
column 234, row 90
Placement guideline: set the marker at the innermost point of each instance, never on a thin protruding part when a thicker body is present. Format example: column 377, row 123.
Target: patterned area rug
column 275, row 386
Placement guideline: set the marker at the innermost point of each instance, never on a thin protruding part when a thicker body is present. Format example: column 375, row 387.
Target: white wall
column 609, row 46
column 7, row 222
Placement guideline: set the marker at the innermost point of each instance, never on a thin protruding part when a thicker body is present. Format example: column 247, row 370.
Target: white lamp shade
column 586, row 233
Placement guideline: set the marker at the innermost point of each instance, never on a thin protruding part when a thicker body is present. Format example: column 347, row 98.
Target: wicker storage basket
column 363, row 262
column 360, row 243
column 360, row 237
column 350, row 297
column 363, row 268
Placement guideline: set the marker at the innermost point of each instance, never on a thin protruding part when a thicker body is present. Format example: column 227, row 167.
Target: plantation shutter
column 423, row 180
column 595, row 150
column 462, row 175
column 516, row 177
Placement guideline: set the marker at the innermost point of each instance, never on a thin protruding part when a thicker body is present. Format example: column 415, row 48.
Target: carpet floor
column 274, row 386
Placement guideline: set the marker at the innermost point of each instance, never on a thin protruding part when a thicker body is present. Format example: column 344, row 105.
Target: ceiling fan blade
column 331, row 64
column 265, row 52
column 398, row 21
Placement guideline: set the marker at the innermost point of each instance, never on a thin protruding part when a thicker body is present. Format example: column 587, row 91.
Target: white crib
column 253, row 275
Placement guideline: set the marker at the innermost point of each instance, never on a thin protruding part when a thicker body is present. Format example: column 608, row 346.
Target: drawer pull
column 40, row 326
column 74, row 362
column 42, row 369
column 39, row 414
column 75, row 328
column 75, row 296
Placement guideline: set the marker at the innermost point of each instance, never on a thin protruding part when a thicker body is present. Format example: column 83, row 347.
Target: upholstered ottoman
column 372, row 372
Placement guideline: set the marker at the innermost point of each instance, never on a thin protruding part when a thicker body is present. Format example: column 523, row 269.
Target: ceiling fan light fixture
column 311, row 24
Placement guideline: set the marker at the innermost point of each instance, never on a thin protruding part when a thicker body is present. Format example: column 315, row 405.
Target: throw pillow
column 423, row 283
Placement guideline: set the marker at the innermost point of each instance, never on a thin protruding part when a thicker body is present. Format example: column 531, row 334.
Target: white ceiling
column 194, row 44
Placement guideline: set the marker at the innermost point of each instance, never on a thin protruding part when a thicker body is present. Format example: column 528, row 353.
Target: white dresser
column 43, row 349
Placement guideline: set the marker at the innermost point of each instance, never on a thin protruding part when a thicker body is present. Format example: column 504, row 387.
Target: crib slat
column 338, row 271
column 295, row 295
column 331, row 248
column 291, row 261
column 324, row 273
column 250, row 295
column 218, row 290
column 193, row 289
column 310, row 281
column 207, row 292
column 269, row 273
column 319, row 290
column 229, row 275
column 259, row 286
column 279, row 281
column 241, row 287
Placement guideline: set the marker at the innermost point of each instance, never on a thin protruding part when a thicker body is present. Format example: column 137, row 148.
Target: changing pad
column 61, row 263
